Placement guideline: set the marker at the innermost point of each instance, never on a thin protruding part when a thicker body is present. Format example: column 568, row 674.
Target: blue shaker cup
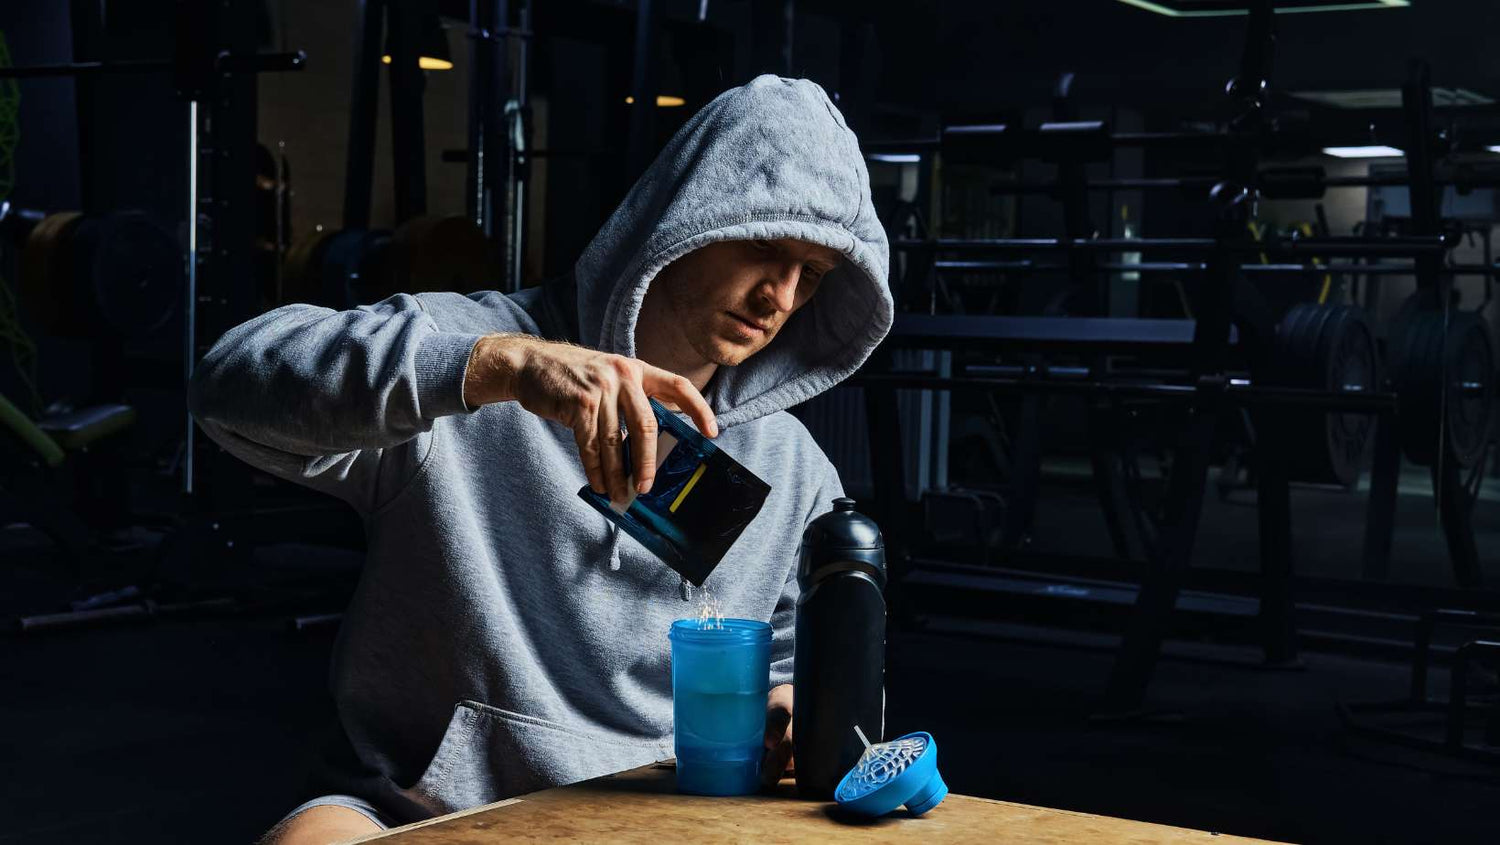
column 720, row 679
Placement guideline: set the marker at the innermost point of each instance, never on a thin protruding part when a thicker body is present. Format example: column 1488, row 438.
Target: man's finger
column 791, row 745
column 778, row 721
column 610, row 447
column 586, row 435
column 642, row 423
column 778, row 736
column 659, row 382
column 775, row 762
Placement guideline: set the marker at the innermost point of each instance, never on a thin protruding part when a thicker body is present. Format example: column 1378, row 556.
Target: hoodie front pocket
column 488, row 754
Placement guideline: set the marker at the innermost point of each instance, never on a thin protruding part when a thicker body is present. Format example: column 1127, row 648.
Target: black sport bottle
column 839, row 674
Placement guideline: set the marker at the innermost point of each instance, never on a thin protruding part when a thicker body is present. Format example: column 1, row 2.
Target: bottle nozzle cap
column 843, row 503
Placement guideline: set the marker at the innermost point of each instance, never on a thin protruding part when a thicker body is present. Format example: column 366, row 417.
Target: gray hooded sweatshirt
column 504, row 637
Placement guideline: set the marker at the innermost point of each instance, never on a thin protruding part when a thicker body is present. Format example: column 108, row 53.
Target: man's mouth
column 750, row 324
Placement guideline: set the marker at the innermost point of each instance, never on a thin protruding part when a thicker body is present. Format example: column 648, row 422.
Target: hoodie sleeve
column 317, row 396
column 784, row 620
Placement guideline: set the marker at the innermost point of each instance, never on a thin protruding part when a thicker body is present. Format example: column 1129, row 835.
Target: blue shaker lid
column 889, row 774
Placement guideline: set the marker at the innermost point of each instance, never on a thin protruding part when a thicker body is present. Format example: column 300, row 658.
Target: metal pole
column 489, row 91
column 523, row 62
column 1234, row 393
column 407, row 141
column 771, row 28
column 517, row 195
column 481, row 48
column 1416, row 98
column 500, row 170
column 1453, row 511
column 1337, row 246
column 359, row 170
column 281, row 199
column 520, row 167
column 643, row 91
column 788, row 19
column 1380, row 510
column 1274, row 512
column 190, row 345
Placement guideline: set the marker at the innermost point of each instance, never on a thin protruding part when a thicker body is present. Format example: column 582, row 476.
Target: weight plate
column 1328, row 348
column 129, row 270
column 442, row 254
column 1470, row 369
column 338, row 271
column 1445, row 385
column 46, row 274
column 301, row 274
column 1352, row 365
column 354, row 271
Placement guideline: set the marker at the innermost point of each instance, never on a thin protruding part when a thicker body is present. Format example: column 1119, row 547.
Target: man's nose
column 780, row 288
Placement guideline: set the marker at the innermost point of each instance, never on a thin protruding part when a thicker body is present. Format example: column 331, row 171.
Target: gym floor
column 202, row 729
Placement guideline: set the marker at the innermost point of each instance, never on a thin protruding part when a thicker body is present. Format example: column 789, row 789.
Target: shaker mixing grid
column 880, row 763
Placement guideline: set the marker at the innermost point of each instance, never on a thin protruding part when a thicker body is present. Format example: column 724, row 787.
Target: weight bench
column 34, row 459
column 76, row 431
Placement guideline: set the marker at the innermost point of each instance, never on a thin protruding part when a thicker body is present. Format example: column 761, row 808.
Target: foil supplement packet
column 698, row 506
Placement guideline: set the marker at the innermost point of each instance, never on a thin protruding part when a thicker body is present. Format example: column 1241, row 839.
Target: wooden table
column 641, row 805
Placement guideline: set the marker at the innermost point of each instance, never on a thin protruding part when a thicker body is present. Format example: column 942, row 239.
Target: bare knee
column 324, row 824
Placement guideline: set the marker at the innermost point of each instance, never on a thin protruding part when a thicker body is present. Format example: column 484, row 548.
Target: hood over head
column 771, row 159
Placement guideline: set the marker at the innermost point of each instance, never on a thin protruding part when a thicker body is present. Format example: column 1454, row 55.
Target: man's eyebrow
column 824, row 263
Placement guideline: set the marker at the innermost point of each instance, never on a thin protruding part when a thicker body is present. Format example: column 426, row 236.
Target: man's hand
column 590, row 392
column 778, row 735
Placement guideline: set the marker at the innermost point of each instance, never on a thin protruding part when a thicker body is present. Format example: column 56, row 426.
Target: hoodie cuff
column 781, row 672
column 442, row 361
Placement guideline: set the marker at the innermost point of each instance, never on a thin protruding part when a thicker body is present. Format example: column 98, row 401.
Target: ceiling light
column 1390, row 98
column 427, row 62
column 1493, row 149
column 1371, row 151
column 975, row 129
column 896, row 158
column 1459, row 97
column 663, row 101
column 1220, row 8
column 1369, row 98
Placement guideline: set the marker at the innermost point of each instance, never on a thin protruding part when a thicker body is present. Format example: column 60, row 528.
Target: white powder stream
column 710, row 612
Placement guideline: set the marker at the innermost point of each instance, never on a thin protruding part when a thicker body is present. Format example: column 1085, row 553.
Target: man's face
column 731, row 298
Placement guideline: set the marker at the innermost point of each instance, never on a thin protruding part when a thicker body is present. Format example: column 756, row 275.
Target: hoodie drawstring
column 614, row 560
column 614, row 547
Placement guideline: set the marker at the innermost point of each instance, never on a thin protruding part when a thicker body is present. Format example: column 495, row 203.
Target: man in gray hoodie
column 504, row 637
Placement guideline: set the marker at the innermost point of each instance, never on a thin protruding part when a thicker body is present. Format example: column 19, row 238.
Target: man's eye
column 811, row 273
